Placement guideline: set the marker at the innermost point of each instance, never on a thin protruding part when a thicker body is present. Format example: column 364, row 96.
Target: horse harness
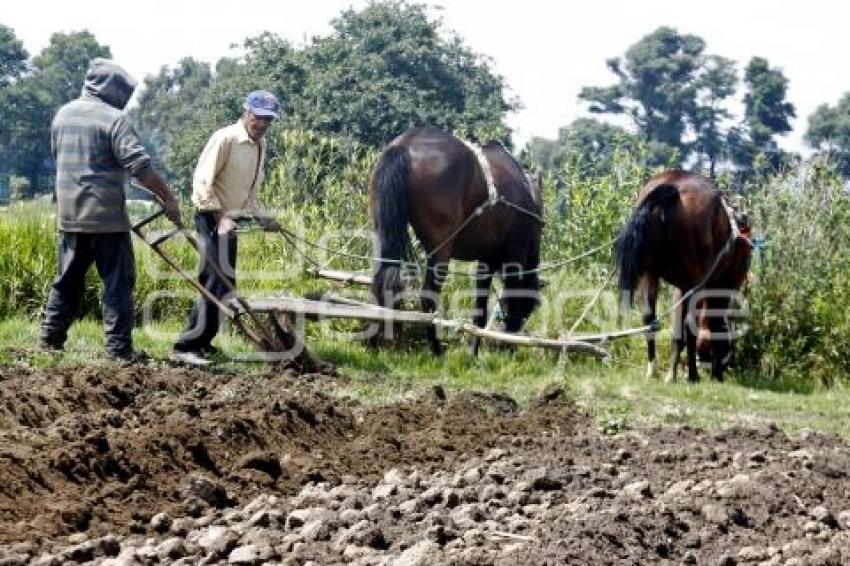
column 493, row 197
column 493, row 194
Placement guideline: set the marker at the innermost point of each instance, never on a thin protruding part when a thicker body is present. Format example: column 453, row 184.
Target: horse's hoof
column 670, row 378
column 650, row 371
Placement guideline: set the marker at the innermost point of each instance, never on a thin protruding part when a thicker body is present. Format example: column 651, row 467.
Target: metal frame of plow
column 353, row 310
column 272, row 338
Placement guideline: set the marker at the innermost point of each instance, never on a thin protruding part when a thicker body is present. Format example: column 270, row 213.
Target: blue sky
column 547, row 50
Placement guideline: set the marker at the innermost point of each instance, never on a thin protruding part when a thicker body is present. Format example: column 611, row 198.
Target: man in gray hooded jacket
column 95, row 147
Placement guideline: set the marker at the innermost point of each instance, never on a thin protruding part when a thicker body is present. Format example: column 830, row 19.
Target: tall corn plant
column 320, row 186
column 585, row 207
column 800, row 296
column 28, row 258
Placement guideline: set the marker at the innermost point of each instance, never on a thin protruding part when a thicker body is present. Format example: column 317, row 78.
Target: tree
column 168, row 105
column 13, row 56
column 167, row 100
column 541, row 152
column 62, row 65
column 656, row 89
column 29, row 103
column 13, row 63
column 27, row 113
column 387, row 68
column 766, row 115
column 382, row 70
column 269, row 63
column 829, row 132
column 714, row 85
column 586, row 142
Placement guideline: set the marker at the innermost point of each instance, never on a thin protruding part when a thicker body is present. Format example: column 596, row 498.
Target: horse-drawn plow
column 275, row 324
column 492, row 214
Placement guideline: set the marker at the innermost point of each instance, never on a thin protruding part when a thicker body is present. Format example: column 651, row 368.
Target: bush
column 800, row 298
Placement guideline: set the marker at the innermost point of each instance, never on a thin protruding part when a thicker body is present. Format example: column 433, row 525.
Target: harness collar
column 485, row 167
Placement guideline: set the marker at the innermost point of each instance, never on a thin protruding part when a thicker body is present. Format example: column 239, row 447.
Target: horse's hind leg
column 483, row 281
column 679, row 329
column 650, row 299
column 434, row 276
column 690, row 328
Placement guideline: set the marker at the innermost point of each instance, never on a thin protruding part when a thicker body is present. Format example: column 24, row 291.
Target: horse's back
column 696, row 186
column 447, row 186
column 692, row 228
column 697, row 203
column 435, row 150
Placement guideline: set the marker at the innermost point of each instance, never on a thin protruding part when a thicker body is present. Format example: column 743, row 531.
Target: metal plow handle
column 268, row 337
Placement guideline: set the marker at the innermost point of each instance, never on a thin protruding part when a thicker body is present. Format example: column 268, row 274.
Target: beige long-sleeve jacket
column 229, row 172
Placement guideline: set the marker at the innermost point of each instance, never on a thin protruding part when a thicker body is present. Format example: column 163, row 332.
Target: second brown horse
column 682, row 232
column 435, row 182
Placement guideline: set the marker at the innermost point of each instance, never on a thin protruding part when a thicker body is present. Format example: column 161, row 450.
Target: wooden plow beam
column 343, row 277
column 353, row 310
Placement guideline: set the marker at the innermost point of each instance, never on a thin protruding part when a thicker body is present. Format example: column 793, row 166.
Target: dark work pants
column 205, row 317
column 112, row 253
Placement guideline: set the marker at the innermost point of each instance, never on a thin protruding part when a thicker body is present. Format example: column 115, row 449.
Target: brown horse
column 682, row 232
column 436, row 183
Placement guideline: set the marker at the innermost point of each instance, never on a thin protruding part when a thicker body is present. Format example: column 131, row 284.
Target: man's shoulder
column 227, row 133
column 82, row 111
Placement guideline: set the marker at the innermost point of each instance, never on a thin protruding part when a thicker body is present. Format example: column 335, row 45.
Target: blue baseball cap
column 262, row 103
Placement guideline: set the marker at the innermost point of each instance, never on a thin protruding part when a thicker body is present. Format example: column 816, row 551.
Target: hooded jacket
column 95, row 147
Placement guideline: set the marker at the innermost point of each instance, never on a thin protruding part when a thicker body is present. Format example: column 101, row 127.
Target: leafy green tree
column 27, row 112
column 13, row 63
column 28, row 104
column 586, row 143
column 829, row 132
column 382, row 70
column 387, row 68
column 13, row 56
column 767, row 114
column 541, row 152
column 656, row 89
column 715, row 83
column 168, row 99
column 61, row 66
column 168, row 104
column 269, row 63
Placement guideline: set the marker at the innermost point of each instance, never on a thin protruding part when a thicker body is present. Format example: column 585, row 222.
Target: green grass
column 618, row 395
column 795, row 344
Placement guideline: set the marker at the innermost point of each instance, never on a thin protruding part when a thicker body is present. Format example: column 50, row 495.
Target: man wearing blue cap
column 224, row 187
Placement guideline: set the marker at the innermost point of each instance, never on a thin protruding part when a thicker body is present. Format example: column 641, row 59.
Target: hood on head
column 109, row 82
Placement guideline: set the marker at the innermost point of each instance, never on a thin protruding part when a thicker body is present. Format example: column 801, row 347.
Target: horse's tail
column 632, row 246
column 390, row 204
